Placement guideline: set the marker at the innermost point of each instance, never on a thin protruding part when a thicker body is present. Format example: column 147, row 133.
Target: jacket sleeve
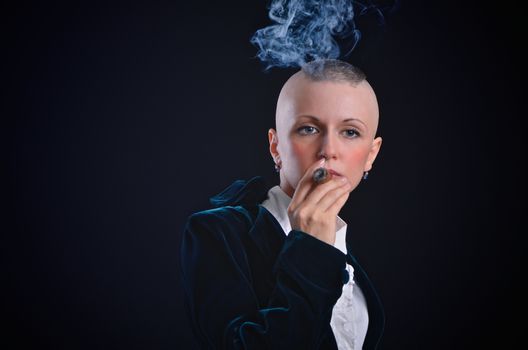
column 223, row 307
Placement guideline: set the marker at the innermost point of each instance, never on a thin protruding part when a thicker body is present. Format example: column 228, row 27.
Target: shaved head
column 327, row 109
column 300, row 83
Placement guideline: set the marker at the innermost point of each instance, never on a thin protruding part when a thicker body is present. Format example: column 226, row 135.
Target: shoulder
column 220, row 220
column 236, row 209
column 215, row 234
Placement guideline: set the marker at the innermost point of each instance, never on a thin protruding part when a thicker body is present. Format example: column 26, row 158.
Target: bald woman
column 269, row 268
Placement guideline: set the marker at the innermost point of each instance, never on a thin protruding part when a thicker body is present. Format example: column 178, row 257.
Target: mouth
column 333, row 172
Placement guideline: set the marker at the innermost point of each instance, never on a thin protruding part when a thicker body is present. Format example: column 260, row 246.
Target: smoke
column 306, row 30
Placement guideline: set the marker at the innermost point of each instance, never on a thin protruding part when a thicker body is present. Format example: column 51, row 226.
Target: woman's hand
column 314, row 207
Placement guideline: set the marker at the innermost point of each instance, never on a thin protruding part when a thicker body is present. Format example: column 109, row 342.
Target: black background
column 120, row 120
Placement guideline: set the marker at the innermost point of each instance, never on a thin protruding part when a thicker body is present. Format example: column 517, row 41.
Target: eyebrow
column 344, row 120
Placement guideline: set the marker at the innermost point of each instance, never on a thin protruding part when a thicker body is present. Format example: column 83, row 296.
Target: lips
column 333, row 172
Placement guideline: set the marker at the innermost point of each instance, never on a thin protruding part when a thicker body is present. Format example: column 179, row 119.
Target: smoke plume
column 307, row 30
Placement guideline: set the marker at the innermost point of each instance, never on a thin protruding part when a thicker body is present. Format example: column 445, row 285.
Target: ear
column 374, row 150
column 273, row 145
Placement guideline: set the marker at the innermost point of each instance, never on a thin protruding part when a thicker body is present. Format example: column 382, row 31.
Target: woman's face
column 328, row 119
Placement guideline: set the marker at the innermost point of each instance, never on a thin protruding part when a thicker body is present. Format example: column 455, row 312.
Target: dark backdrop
column 121, row 120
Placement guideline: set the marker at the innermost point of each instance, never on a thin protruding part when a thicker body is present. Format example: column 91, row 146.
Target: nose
column 328, row 147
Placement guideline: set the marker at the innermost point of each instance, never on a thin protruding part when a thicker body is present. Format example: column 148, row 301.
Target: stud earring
column 365, row 175
column 277, row 167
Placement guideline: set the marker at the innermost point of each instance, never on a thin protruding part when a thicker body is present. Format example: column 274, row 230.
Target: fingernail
column 322, row 161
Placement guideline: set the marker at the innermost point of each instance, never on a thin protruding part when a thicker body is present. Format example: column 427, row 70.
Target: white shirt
column 349, row 320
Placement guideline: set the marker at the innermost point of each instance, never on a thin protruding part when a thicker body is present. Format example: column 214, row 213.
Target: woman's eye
column 306, row 130
column 351, row 133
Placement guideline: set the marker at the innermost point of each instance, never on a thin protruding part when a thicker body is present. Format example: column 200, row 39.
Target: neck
column 286, row 187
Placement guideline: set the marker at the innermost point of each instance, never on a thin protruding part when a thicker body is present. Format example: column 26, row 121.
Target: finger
column 338, row 204
column 305, row 183
column 332, row 196
column 315, row 196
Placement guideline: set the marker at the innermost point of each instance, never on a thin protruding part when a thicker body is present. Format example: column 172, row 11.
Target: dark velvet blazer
column 249, row 286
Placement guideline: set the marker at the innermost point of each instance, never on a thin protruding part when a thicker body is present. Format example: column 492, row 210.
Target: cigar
column 320, row 175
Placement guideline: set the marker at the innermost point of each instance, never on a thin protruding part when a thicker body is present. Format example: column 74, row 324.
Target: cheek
column 304, row 155
column 298, row 150
column 357, row 157
column 298, row 157
column 355, row 163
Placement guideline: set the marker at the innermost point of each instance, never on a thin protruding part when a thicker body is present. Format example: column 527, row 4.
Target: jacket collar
column 241, row 192
column 265, row 230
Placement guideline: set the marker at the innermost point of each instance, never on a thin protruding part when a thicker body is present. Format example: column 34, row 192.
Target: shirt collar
column 277, row 204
